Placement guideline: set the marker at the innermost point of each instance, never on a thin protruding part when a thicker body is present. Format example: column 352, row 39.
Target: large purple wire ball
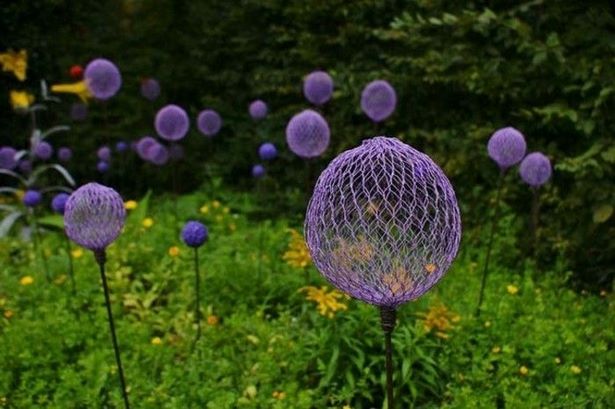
column 194, row 234
column 102, row 166
column 78, row 111
column 258, row 171
column 258, row 109
column 7, row 158
column 172, row 123
column 94, row 216
column 104, row 153
column 157, row 154
column 43, row 150
column 383, row 223
column 58, row 203
column 32, row 198
column 535, row 169
column 318, row 87
column 143, row 146
column 267, row 151
column 150, row 89
column 506, row 147
column 103, row 78
column 378, row 100
column 308, row 134
column 209, row 122
column 65, row 154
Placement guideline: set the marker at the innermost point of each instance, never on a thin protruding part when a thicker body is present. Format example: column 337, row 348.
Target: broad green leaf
column 602, row 213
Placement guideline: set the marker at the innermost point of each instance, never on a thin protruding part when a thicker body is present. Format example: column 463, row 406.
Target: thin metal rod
column 387, row 321
column 100, row 259
column 197, row 305
column 71, row 269
column 534, row 219
column 38, row 246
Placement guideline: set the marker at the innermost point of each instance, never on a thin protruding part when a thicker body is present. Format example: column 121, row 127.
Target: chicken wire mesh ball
column 102, row 166
column 143, row 145
column 308, row 134
column 318, row 87
column 378, row 100
column 94, row 216
column 209, row 122
column 267, row 151
column 383, row 223
column 258, row 171
column 58, row 203
column 157, row 154
column 104, row 153
column 506, row 147
column 32, row 198
column 258, row 110
column 194, row 234
column 103, row 78
column 535, row 169
column 172, row 123
column 150, row 89
column 43, row 150
column 121, row 146
column 65, row 154
column 7, row 158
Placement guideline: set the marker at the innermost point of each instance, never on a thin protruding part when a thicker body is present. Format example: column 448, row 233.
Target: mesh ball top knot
column 383, row 223
column 209, row 122
column 308, row 134
column 94, row 216
column 535, row 169
column 318, row 87
column 506, row 147
column 258, row 109
column 172, row 123
column 103, row 78
column 378, row 100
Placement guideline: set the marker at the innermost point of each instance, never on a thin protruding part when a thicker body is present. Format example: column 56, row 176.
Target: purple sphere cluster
column 308, row 134
column 506, row 147
column 209, row 122
column 150, row 89
column 58, row 203
column 535, row 169
column 378, row 100
column 149, row 149
column 383, row 224
column 267, row 151
column 43, row 150
column 258, row 109
column 103, row 78
column 194, row 234
column 172, row 123
column 7, row 158
column 318, row 87
column 94, row 216
column 32, row 198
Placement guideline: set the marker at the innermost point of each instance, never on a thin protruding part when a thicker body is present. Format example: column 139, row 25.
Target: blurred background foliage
column 461, row 70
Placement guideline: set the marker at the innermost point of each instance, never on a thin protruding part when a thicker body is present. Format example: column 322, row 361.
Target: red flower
column 76, row 72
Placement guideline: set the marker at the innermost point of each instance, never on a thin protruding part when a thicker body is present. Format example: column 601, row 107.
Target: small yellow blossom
column 250, row 392
column 226, row 210
column 603, row 293
column 439, row 317
column 15, row 62
column 156, row 341
column 77, row 253
column 278, row 395
column 26, row 280
column 512, row 289
column 232, row 226
column 21, row 100
column 496, row 349
column 130, row 205
column 8, row 314
column 19, row 194
column 59, row 280
column 327, row 302
column 78, row 88
column 297, row 255
column 147, row 222
column 558, row 360
column 204, row 209
column 523, row 370
column 215, row 204
column 213, row 320
column 487, row 324
column 575, row 369
column 173, row 251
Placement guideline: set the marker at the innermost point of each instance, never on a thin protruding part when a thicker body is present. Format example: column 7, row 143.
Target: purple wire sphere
column 102, row 166
column 64, row 154
column 94, row 216
column 308, row 134
column 258, row 109
column 506, row 147
column 103, row 78
column 58, row 203
column 150, row 89
column 121, row 146
column 104, row 153
column 43, row 150
column 267, row 151
column 258, row 171
column 143, row 146
column 157, row 154
column 172, row 123
column 378, row 100
column 78, row 111
column 318, row 87
column 7, row 158
column 209, row 122
column 383, row 223
column 535, row 169
column 32, row 198
column 194, row 234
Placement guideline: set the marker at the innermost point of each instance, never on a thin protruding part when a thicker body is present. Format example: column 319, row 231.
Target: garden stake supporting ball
column 535, row 170
column 58, row 204
column 383, row 226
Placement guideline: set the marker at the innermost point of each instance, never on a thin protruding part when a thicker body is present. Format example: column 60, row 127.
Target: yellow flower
column 487, row 324
column 557, row 360
column 215, row 204
column 204, row 209
column 439, row 317
column 130, row 205
column 77, row 253
column 575, row 369
column 21, row 100
column 15, row 62
column 327, row 302
column 156, row 341
column 213, row 320
column 496, row 350
column 278, row 395
column 173, row 251
column 297, row 254
column 26, row 280
column 512, row 289
column 78, row 88
column 232, row 226
column 8, row 314
column 226, row 210
column 147, row 222
column 346, row 407
column 523, row 370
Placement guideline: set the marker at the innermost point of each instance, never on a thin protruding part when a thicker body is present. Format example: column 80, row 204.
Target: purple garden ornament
column 172, row 123
column 378, row 100
column 143, row 145
column 103, row 78
column 102, row 166
column 121, row 146
column 383, row 226
column 64, row 154
column 58, row 203
column 43, row 150
column 25, row 166
column 7, row 158
column 318, row 87
column 258, row 110
column 308, row 134
column 535, row 170
column 150, row 89
column 258, row 171
column 104, row 153
column 267, row 151
column 209, row 122
column 157, row 154
column 32, row 198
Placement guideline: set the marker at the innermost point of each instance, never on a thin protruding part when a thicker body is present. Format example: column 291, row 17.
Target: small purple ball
column 102, row 166
column 43, row 150
column 258, row 109
column 143, row 146
column 25, row 166
column 506, row 147
column 7, row 158
column 121, row 146
column 94, row 216
column 378, row 100
column 58, row 203
column 209, row 122
column 150, row 89
column 308, row 134
column 318, row 87
column 157, row 154
column 104, row 153
column 78, row 111
column 258, row 171
column 194, row 234
column 172, row 123
column 32, row 198
column 103, row 78
column 535, row 169
column 267, row 151
column 65, row 154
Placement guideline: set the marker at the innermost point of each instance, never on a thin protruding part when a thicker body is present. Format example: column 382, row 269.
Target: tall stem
column 494, row 221
column 387, row 321
column 534, row 219
column 101, row 259
column 71, row 269
column 38, row 247
column 197, row 304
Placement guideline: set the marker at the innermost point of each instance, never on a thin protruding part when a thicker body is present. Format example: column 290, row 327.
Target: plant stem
column 100, row 259
column 494, row 221
column 197, row 305
column 387, row 321
column 534, row 219
column 38, row 246
column 71, row 270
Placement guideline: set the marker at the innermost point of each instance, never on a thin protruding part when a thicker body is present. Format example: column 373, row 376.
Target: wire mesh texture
column 383, row 224
column 308, row 134
column 378, row 100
